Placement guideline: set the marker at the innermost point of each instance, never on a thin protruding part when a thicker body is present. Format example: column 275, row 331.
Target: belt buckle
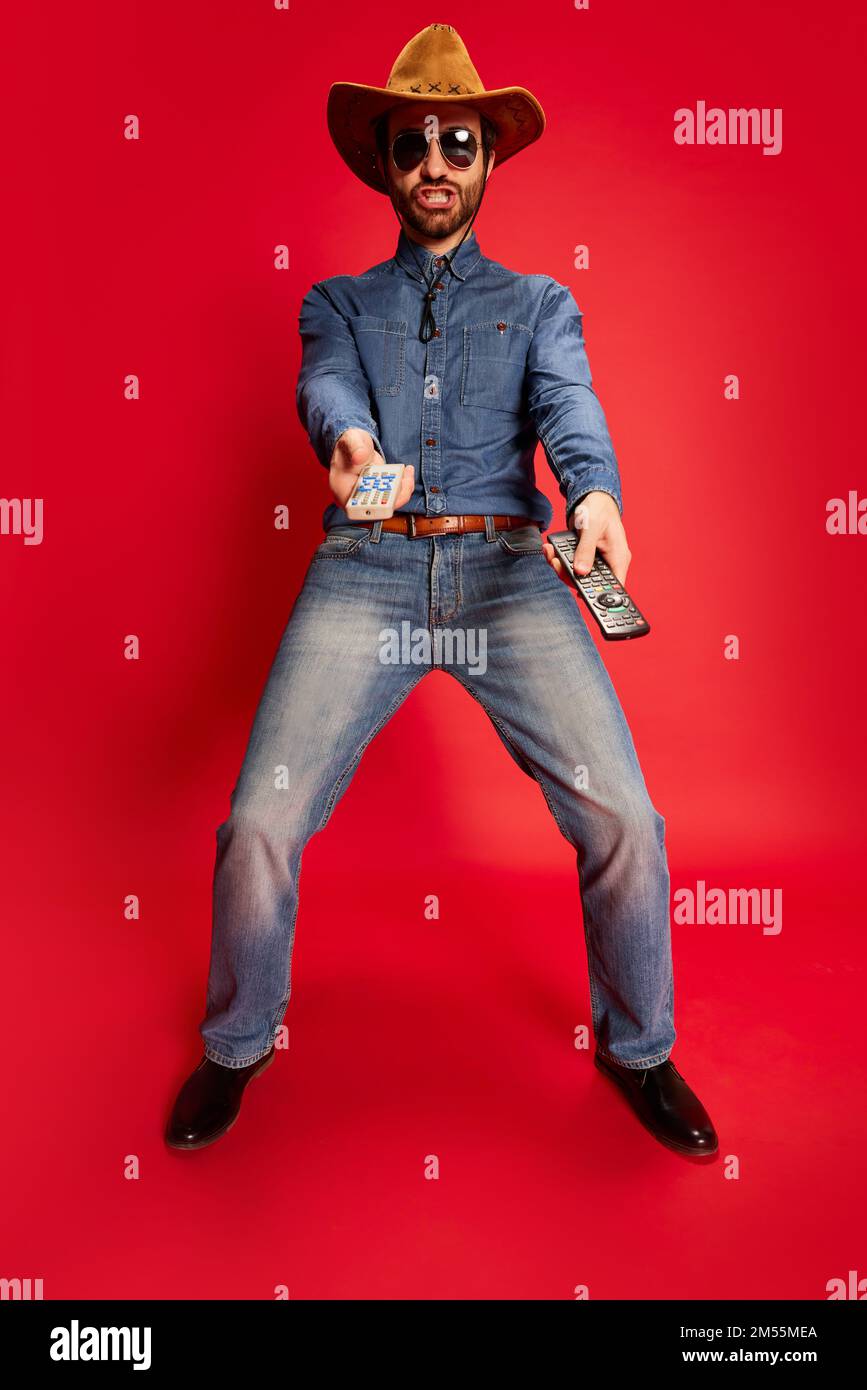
column 410, row 526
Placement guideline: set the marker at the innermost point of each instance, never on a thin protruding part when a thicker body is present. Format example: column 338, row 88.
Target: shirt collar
column 414, row 257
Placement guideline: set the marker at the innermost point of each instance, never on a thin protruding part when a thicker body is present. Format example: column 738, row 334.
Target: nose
column 433, row 164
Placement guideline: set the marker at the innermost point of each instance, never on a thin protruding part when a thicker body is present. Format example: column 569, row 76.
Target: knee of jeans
column 638, row 820
column 264, row 821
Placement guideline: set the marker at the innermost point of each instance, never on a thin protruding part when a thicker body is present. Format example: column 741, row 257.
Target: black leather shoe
column 209, row 1101
column 665, row 1105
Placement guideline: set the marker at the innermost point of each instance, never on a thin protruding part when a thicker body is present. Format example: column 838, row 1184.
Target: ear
column 491, row 157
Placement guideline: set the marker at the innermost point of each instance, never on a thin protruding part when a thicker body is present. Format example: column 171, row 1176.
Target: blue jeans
column 376, row 612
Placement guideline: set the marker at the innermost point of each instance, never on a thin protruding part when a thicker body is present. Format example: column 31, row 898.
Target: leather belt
column 411, row 525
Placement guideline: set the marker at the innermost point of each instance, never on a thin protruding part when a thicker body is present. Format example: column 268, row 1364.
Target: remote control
column 605, row 596
column 375, row 492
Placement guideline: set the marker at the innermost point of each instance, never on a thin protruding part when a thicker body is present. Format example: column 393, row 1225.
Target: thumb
column 353, row 446
column 359, row 453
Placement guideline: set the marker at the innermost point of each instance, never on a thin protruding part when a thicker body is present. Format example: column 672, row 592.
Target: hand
column 598, row 519
column 353, row 451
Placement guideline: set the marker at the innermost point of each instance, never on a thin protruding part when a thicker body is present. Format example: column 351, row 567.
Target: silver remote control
column 375, row 492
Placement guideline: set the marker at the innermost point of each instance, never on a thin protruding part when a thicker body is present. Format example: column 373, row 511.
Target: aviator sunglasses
column 458, row 147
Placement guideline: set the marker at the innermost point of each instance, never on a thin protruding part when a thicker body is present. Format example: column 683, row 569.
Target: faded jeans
column 522, row 649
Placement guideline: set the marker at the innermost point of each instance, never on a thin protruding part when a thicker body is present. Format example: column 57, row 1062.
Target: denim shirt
column 507, row 368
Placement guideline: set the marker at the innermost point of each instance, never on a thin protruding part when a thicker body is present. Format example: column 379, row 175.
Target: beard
column 430, row 222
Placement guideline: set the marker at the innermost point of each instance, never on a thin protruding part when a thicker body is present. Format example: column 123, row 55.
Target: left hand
column 598, row 519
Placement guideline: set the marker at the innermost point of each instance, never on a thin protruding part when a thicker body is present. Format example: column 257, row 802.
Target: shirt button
column 501, row 327
column 439, row 285
column 430, row 441
column 437, row 333
column 434, row 489
column 438, row 261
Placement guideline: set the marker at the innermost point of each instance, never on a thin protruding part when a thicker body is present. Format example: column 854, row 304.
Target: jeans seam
column 521, row 757
column 281, row 1008
column 401, row 695
column 653, row 1061
column 234, row 1063
column 503, row 540
column 398, row 700
column 458, row 580
column 594, row 1001
column 340, row 552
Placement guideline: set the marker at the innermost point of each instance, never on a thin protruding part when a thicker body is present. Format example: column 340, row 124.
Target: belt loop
column 490, row 529
column 375, row 532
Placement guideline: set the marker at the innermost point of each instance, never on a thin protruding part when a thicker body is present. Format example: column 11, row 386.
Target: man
column 449, row 363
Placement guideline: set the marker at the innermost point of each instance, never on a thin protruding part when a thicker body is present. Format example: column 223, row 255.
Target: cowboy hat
column 433, row 67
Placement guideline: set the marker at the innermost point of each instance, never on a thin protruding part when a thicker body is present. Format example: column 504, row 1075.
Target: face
column 435, row 200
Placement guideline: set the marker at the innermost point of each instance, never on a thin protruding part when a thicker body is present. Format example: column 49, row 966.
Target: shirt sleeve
column 565, row 409
column 333, row 393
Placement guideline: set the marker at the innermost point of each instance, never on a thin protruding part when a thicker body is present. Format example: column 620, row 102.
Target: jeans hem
column 653, row 1061
column 235, row 1062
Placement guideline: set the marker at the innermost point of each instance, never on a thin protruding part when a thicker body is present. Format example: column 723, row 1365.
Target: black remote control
column 605, row 596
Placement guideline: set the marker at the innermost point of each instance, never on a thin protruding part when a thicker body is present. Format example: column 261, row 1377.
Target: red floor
column 410, row 1038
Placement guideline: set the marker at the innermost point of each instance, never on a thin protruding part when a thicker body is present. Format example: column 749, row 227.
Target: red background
column 410, row 1037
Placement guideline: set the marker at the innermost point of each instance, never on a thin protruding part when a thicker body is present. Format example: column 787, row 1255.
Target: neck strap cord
column 427, row 327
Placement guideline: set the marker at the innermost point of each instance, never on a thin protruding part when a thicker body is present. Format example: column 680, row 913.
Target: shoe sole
column 660, row 1138
column 212, row 1138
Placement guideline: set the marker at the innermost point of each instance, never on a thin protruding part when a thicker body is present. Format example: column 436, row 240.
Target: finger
column 617, row 558
column 342, row 489
column 554, row 561
column 361, row 454
column 343, row 482
column 585, row 553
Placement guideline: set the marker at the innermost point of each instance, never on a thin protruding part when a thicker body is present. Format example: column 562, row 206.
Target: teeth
column 437, row 197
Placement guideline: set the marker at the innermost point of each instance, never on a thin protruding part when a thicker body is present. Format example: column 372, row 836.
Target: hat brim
column 353, row 107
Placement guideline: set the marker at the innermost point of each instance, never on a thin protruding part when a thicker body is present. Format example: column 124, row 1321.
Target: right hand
column 353, row 451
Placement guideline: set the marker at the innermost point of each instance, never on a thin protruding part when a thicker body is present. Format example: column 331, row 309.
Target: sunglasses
column 458, row 148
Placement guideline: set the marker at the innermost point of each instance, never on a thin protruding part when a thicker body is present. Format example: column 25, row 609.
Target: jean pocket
column 341, row 541
column 524, row 540
column 495, row 365
column 381, row 346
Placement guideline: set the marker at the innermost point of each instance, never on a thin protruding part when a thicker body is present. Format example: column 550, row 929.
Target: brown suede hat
column 433, row 67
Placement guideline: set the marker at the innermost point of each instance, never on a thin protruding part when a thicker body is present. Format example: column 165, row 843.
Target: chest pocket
column 494, row 365
column 381, row 346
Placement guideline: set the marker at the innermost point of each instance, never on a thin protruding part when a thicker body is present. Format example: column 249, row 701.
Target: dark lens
column 459, row 147
column 409, row 149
